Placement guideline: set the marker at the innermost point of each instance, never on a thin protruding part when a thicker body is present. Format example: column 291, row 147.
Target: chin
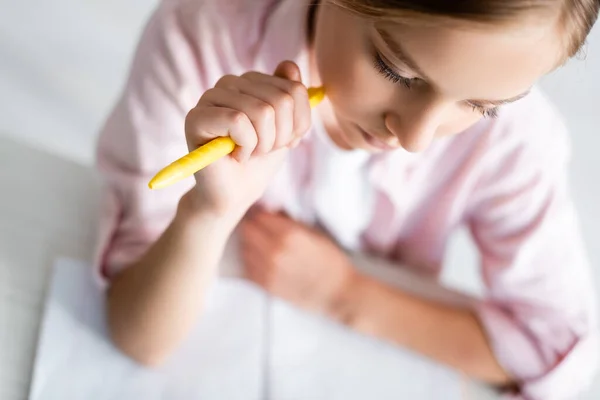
column 358, row 142
column 351, row 136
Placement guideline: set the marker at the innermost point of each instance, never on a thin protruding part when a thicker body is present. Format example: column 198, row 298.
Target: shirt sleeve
column 540, row 311
column 143, row 133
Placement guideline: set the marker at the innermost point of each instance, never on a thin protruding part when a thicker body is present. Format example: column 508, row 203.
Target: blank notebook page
column 221, row 359
column 246, row 346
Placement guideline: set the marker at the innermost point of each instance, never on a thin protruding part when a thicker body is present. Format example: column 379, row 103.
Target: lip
column 373, row 141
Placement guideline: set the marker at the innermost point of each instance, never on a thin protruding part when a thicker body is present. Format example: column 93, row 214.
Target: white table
column 47, row 210
column 40, row 198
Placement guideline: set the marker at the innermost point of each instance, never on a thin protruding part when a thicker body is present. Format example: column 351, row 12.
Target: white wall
column 62, row 64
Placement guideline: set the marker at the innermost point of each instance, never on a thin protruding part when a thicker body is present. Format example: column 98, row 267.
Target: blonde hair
column 575, row 16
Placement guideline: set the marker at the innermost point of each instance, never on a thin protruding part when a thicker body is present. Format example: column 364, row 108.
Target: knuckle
column 297, row 89
column 265, row 111
column 205, row 95
column 286, row 101
column 210, row 94
column 249, row 74
column 237, row 117
column 226, row 80
column 241, row 121
column 190, row 115
column 190, row 121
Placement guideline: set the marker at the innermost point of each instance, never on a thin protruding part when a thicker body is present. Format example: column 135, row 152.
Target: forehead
column 480, row 61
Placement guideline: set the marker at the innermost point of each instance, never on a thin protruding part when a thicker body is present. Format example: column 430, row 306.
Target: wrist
column 367, row 306
column 192, row 214
column 347, row 304
column 192, row 210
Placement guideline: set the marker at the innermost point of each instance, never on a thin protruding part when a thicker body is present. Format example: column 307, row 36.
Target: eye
column 389, row 73
column 487, row 112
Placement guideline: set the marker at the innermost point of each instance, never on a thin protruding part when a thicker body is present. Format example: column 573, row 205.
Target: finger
column 281, row 101
column 250, row 256
column 255, row 237
column 228, row 82
column 287, row 77
column 203, row 124
column 252, row 210
column 288, row 70
column 302, row 116
column 260, row 113
column 275, row 225
column 252, row 270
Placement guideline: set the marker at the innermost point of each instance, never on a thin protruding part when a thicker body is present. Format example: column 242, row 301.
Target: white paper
column 222, row 358
column 247, row 346
column 312, row 358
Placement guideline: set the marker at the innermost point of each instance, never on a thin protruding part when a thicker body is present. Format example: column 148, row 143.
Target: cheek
column 355, row 90
column 339, row 62
column 344, row 65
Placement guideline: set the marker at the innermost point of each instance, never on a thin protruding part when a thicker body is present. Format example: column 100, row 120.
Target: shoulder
column 231, row 17
column 238, row 35
column 242, row 10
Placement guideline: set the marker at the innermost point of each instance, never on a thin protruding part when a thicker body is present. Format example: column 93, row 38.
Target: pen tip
column 155, row 184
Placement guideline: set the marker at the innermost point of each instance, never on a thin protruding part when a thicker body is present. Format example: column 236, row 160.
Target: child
column 431, row 121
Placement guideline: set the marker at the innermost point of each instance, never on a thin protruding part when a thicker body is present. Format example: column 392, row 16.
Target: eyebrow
column 398, row 52
column 401, row 55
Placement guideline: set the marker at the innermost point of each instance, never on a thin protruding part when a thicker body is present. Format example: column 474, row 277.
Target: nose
column 415, row 125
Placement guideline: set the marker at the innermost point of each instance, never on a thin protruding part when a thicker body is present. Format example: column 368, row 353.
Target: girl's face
column 392, row 85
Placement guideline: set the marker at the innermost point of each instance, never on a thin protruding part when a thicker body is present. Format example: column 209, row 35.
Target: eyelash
column 486, row 112
column 389, row 73
column 384, row 69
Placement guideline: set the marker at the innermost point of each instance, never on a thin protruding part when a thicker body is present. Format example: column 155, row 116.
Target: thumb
column 288, row 70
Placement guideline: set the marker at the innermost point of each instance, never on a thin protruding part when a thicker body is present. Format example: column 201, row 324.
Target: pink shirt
column 505, row 179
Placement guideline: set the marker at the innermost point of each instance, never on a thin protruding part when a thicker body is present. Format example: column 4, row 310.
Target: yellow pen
column 204, row 155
